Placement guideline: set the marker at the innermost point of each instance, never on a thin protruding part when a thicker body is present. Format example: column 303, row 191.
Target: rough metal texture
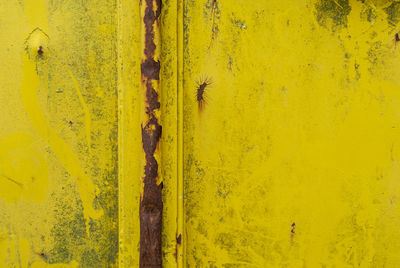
column 293, row 161
column 151, row 203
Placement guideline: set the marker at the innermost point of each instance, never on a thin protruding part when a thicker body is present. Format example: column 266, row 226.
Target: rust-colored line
column 151, row 205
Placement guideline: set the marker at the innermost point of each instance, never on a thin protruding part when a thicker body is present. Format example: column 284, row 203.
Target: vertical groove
column 180, row 224
column 151, row 200
column 120, row 131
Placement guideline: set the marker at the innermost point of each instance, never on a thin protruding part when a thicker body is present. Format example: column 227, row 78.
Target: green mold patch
column 333, row 13
column 368, row 13
column 69, row 234
column 393, row 13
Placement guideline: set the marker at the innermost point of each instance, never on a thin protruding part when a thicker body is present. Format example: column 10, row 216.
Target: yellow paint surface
column 293, row 161
column 58, row 135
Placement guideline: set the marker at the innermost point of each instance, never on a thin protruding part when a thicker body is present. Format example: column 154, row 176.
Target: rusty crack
column 151, row 205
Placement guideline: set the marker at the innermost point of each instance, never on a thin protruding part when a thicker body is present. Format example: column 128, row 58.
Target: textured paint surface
column 58, row 134
column 293, row 161
column 151, row 204
column 70, row 135
column 290, row 160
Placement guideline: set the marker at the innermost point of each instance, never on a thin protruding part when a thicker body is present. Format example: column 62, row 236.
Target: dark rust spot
column 152, row 98
column 40, row 51
column 179, row 239
column 292, row 232
column 151, row 205
column 151, row 69
column 42, row 255
column 396, row 39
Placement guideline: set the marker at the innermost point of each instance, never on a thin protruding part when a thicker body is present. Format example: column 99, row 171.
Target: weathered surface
column 294, row 160
column 71, row 174
column 151, row 204
column 58, row 134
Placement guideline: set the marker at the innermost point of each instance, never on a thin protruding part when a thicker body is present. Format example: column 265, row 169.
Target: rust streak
column 151, row 203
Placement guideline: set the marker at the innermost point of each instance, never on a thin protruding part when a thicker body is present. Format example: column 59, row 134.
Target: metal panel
column 293, row 159
column 58, row 134
column 279, row 143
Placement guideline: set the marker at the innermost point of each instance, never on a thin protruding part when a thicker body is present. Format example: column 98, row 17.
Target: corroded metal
column 151, row 202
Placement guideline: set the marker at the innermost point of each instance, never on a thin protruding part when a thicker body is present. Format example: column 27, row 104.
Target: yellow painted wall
column 292, row 160
column 58, row 134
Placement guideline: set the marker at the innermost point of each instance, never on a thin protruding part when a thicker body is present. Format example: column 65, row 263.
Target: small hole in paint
column 40, row 50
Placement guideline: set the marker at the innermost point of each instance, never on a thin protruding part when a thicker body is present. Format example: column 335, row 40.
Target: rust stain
column 40, row 50
column 179, row 239
column 41, row 254
column 292, row 232
column 178, row 244
column 396, row 39
column 151, row 203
